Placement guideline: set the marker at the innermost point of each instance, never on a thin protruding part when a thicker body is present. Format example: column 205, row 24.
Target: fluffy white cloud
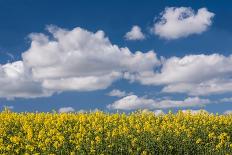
column 133, row 102
column 15, row 81
column 192, row 74
column 66, row 109
column 181, row 22
column 81, row 60
column 135, row 34
column 215, row 86
column 89, row 83
column 117, row 93
column 70, row 60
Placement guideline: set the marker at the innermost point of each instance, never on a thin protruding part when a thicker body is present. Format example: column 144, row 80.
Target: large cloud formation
column 70, row 60
column 80, row 60
column 181, row 22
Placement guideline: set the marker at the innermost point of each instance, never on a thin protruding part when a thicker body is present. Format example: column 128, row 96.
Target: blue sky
column 205, row 43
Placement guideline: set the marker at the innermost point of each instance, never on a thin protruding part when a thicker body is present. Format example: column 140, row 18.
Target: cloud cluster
column 70, row 60
column 181, row 22
column 135, row 34
column 80, row 60
column 192, row 74
column 134, row 102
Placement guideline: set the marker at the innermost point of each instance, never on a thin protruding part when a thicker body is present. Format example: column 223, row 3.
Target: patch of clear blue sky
column 115, row 18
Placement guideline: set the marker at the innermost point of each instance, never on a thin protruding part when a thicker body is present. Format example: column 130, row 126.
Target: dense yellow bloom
column 103, row 133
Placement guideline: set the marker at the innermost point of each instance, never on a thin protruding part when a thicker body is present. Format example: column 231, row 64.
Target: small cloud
column 66, row 109
column 177, row 22
column 118, row 93
column 135, row 34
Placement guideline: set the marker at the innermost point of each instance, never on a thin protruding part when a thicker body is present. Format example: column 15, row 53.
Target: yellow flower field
column 105, row 133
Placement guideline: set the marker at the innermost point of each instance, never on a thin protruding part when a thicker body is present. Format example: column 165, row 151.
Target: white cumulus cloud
column 117, row 93
column 177, row 22
column 192, row 74
column 133, row 102
column 135, row 34
column 16, row 81
column 70, row 60
column 66, row 109
column 81, row 60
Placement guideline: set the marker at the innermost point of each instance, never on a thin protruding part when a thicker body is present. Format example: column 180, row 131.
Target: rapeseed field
column 119, row 133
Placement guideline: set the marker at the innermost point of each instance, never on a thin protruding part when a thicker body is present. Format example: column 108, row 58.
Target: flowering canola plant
column 105, row 133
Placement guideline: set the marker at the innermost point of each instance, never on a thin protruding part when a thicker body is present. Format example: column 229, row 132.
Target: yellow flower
column 144, row 153
column 211, row 135
column 198, row 141
column 98, row 139
column 103, row 133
